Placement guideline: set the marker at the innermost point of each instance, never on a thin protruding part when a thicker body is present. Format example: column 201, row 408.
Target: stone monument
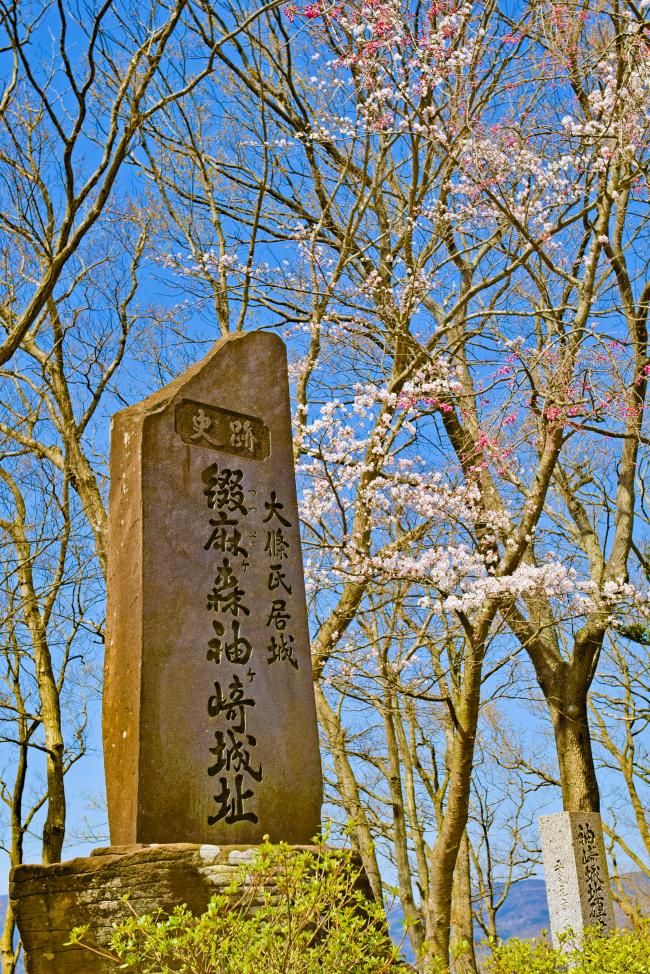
column 210, row 731
column 575, row 869
column 210, row 735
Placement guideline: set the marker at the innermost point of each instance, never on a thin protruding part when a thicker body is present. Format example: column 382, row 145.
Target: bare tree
column 47, row 615
column 68, row 124
column 503, row 844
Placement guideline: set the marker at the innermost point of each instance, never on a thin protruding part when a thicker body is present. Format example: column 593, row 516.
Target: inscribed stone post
column 575, row 869
column 209, row 718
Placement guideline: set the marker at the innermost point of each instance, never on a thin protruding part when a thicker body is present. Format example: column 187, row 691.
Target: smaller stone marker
column 575, row 869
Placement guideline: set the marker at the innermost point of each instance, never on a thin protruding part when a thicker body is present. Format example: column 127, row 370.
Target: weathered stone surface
column 48, row 901
column 209, row 720
column 575, row 869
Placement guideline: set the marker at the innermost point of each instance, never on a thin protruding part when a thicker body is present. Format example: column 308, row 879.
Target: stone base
column 48, row 901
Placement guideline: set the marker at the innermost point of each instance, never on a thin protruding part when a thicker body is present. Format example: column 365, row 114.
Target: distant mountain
column 637, row 887
column 525, row 911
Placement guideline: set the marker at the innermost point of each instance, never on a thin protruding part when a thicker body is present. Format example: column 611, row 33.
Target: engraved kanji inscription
column 230, row 801
column 278, row 616
column 242, row 436
column 214, row 428
column 274, row 508
column 226, row 595
column 276, row 544
column 233, row 755
column 278, row 578
column 237, row 651
column 281, row 650
column 232, row 706
column 594, row 879
column 223, row 488
column 224, row 539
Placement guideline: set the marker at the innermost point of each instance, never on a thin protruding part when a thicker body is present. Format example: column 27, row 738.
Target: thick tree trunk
column 565, row 685
column 568, row 707
column 443, row 863
column 462, row 927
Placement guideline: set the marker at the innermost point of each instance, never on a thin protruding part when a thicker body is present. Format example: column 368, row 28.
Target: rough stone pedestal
column 48, row 901
column 575, row 868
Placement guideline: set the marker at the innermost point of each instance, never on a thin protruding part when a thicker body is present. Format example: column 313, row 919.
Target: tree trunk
column 84, row 482
column 450, row 834
column 349, row 790
column 408, row 748
column 7, row 943
column 412, row 914
column 462, row 927
column 54, row 827
column 568, row 707
column 50, row 704
column 9, row 956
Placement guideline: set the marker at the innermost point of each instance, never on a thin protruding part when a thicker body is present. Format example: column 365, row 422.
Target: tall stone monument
column 575, row 870
column 210, row 735
column 210, row 731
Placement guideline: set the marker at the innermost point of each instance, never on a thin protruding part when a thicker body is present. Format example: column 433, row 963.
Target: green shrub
column 622, row 952
column 286, row 912
column 291, row 911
